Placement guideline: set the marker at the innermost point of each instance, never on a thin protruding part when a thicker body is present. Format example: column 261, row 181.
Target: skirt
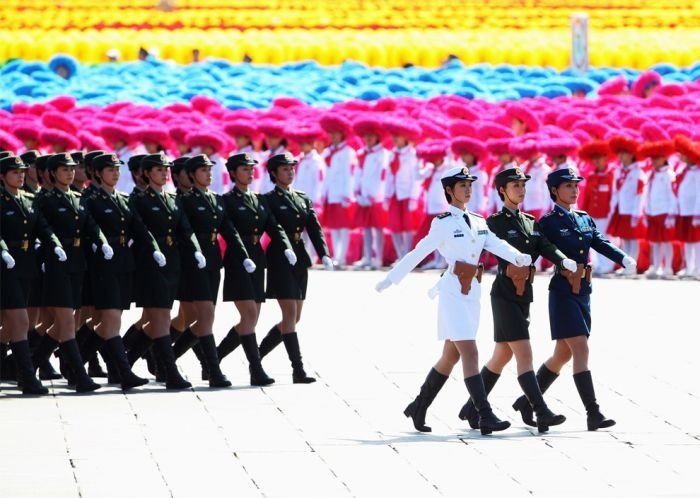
column 657, row 231
column 285, row 281
column 158, row 289
column 569, row 315
column 239, row 285
column 111, row 290
column 335, row 216
column 63, row 290
column 621, row 226
column 685, row 231
column 400, row 217
column 511, row 320
column 372, row 216
column 14, row 290
column 199, row 285
column 458, row 314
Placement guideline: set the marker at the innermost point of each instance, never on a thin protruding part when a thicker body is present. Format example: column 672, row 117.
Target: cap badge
column 247, row 157
column 67, row 157
column 572, row 172
column 465, row 171
column 18, row 160
column 518, row 172
column 114, row 158
column 288, row 156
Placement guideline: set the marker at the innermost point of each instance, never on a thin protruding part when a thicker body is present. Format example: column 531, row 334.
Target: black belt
column 18, row 244
column 68, row 241
column 251, row 239
column 586, row 267
column 211, row 236
column 168, row 240
column 119, row 240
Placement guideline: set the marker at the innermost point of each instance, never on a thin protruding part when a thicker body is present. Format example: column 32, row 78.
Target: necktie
column 466, row 218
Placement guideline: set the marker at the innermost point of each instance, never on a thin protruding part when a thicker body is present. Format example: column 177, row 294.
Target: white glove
column 669, row 221
column 107, row 251
column 523, row 260
column 201, row 260
column 327, row 263
column 383, row 285
column 249, row 265
column 60, row 253
column 291, row 257
column 8, row 259
column 37, row 245
column 629, row 262
column 159, row 258
column 569, row 264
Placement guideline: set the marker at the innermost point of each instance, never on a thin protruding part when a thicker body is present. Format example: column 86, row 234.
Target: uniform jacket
column 21, row 223
column 309, row 176
column 629, row 187
column 523, row 232
column 661, row 195
column 688, row 184
column 208, row 218
column 341, row 161
column 295, row 213
column 402, row 175
column 575, row 234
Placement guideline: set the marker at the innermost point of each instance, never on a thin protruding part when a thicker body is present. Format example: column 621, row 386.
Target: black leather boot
column 129, row 336
column 468, row 412
column 183, row 343
column 33, row 337
column 8, row 370
column 174, row 334
column 113, row 376
column 258, row 377
column 545, row 378
column 488, row 421
column 71, row 355
column 197, row 350
column 128, row 379
column 291, row 344
column 40, row 358
column 545, row 416
column 595, row 419
column 270, row 341
column 25, row 370
column 89, row 343
column 140, row 344
column 165, row 351
column 228, row 344
column 417, row 408
column 216, row 377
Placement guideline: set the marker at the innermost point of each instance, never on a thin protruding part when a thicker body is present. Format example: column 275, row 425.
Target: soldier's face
column 183, row 180
column 566, row 193
column 80, row 175
column 158, row 175
column 109, row 176
column 65, row 175
column 462, row 191
column 31, row 174
column 243, row 175
column 285, row 174
column 515, row 191
column 202, row 176
column 13, row 179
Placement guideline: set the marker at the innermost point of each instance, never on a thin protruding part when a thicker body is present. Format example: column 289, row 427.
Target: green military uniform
column 294, row 211
column 251, row 216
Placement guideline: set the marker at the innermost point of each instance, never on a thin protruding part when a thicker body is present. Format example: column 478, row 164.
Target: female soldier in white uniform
column 460, row 236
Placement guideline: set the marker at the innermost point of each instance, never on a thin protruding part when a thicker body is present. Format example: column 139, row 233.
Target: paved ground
column 346, row 435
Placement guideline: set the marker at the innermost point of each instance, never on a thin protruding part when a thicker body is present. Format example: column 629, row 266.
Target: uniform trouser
column 600, row 263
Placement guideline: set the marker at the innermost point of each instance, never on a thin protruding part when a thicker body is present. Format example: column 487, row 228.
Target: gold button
column 255, row 230
column 123, row 231
column 122, row 218
column 170, row 230
column 170, row 217
column 298, row 216
column 25, row 222
column 25, row 235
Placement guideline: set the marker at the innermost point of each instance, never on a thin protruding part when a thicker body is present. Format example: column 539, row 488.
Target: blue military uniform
column 575, row 234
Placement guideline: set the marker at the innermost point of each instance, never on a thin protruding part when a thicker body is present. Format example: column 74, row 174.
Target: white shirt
column 537, row 194
column 458, row 314
column 370, row 178
column 689, row 191
column 404, row 185
column 338, row 184
column 310, row 174
column 629, row 187
column 661, row 198
column 436, row 202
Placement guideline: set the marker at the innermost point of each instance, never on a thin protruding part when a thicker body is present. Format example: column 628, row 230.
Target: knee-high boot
column 258, row 377
column 183, row 343
column 488, row 421
column 595, row 419
column 71, row 355
column 291, row 344
column 164, row 349
column 114, row 348
column 270, row 341
column 545, row 378
column 468, row 412
column 545, row 416
column 216, row 377
column 419, row 406
column 228, row 344
column 40, row 357
column 25, row 370
column 140, row 344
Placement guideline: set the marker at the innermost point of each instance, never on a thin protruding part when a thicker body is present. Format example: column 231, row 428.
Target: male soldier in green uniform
column 511, row 295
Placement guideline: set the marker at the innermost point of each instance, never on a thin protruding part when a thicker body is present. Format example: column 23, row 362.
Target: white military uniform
column 458, row 314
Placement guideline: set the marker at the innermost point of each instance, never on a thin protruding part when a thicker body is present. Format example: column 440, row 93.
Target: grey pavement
column 346, row 434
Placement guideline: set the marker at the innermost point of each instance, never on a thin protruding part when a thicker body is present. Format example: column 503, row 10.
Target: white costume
column 309, row 176
column 458, row 314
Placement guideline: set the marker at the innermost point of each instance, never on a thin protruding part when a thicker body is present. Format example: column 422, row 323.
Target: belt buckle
column 168, row 240
column 255, row 239
column 25, row 245
column 297, row 237
column 76, row 242
column 122, row 240
column 213, row 237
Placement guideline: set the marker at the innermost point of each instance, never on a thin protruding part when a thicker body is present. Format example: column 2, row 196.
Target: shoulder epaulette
column 546, row 215
column 495, row 215
column 443, row 215
column 28, row 195
column 528, row 215
column 578, row 211
column 475, row 214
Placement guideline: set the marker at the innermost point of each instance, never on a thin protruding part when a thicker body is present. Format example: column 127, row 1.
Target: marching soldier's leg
column 545, row 378
column 468, row 412
column 270, row 341
column 258, row 377
column 584, row 385
column 291, row 343
column 25, row 370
